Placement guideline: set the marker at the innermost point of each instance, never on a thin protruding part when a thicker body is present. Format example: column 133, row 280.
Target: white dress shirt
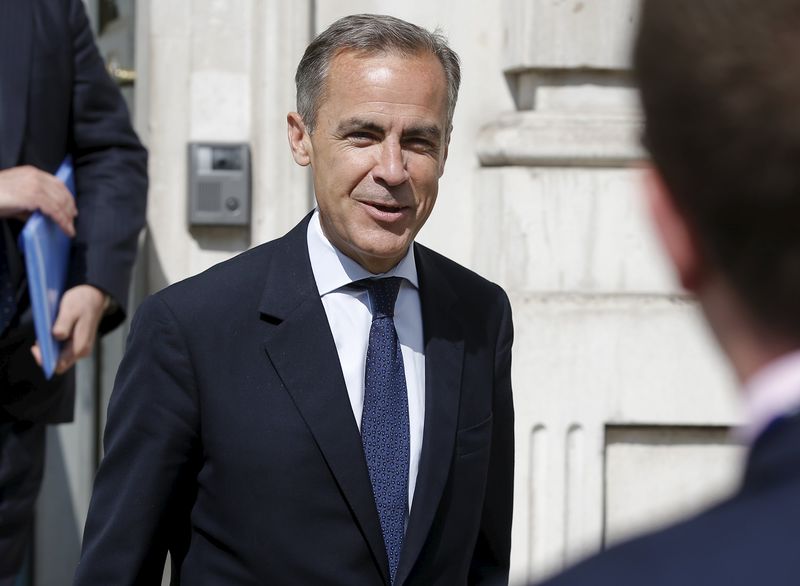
column 771, row 392
column 350, row 317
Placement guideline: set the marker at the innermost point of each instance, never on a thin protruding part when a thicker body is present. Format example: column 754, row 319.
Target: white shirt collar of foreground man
column 772, row 392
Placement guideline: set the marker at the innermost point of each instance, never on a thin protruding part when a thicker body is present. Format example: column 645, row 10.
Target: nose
column 391, row 164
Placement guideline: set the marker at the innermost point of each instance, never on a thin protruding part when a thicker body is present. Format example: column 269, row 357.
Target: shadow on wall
column 59, row 526
column 222, row 238
column 231, row 240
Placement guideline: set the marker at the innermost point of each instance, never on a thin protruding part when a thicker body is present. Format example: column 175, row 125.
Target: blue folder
column 46, row 249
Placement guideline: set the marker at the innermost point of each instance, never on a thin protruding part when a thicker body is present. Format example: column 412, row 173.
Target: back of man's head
column 720, row 87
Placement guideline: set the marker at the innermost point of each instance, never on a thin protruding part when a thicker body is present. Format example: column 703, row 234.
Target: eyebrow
column 431, row 131
column 352, row 124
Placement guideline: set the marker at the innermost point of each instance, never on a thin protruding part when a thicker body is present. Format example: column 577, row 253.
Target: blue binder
column 46, row 249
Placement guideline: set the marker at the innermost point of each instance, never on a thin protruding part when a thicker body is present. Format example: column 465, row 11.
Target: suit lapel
column 16, row 24
column 302, row 351
column 444, row 356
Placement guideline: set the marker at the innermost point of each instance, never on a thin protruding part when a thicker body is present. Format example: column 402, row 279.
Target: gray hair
column 370, row 34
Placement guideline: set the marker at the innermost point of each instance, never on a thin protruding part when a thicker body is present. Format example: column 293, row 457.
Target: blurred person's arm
column 111, row 184
column 26, row 189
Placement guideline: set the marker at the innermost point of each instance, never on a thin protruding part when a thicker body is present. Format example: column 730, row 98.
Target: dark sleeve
column 147, row 479
column 491, row 559
column 110, row 171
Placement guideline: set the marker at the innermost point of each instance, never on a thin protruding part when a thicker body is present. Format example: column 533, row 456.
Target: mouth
column 385, row 208
column 385, row 212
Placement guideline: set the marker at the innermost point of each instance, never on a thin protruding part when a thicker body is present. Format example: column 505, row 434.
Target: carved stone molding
column 537, row 139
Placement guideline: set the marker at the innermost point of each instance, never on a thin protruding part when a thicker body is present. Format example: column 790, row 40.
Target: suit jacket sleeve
column 491, row 559
column 146, row 482
column 110, row 171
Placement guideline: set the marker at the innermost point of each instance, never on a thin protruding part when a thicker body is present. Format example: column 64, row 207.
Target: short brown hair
column 720, row 88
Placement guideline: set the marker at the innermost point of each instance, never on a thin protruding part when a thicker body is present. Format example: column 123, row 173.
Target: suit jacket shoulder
column 236, row 287
column 480, row 301
column 458, row 275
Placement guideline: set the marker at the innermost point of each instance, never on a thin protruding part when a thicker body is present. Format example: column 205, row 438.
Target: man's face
column 377, row 151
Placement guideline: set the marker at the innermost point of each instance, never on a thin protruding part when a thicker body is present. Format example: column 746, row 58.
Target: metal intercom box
column 219, row 184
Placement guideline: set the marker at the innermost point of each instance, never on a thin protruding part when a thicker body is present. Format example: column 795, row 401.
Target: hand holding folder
column 46, row 249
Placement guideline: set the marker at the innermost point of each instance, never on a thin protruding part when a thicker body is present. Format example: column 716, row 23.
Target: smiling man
column 377, row 150
column 332, row 407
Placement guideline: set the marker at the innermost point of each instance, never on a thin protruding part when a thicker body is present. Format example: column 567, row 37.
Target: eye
column 362, row 138
column 419, row 144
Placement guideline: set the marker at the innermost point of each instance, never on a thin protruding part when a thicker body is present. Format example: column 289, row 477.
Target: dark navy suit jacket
column 231, row 440
column 751, row 539
column 56, row 98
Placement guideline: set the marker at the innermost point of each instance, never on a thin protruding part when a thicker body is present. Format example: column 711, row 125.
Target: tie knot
column 382, row 294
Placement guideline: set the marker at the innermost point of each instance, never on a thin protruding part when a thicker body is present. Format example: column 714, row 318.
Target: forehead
column 385, row 83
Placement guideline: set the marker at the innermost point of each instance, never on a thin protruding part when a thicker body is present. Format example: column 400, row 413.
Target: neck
column 748, row 344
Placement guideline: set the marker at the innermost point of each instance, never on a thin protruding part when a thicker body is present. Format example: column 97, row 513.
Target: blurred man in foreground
column 720, row 86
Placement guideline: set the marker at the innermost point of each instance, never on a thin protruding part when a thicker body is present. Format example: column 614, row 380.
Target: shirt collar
column 333, row 269
column 771, row 392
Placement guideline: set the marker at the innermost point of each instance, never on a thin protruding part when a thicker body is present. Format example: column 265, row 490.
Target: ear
column 675, row 233
column 299, row 139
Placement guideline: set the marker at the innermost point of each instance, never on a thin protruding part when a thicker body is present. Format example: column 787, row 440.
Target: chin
column 383, row 252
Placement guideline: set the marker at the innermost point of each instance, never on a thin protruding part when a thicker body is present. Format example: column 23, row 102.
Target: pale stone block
column 583, row 98
column 231, row 55
column 168, row 126
column 170, row 60
column 221, row 19
column 221, row 35
column 626, row 359
column 564, row 34
column 170, row 19
column 220, row 106
column 551, row 138
column 567, row 230
column 576, row 92
column 655, row 475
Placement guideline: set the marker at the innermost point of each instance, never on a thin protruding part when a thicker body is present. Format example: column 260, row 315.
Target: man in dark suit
column 271, row 422
column 720, row 87
column 56, row 99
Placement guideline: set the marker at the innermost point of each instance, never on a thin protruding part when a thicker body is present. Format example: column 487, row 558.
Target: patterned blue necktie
column 8, row 304
column 384, row 421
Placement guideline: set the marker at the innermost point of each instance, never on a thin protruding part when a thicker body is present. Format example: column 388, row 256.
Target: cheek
column 426, row 208
column 426, row 181
column 351, row 170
